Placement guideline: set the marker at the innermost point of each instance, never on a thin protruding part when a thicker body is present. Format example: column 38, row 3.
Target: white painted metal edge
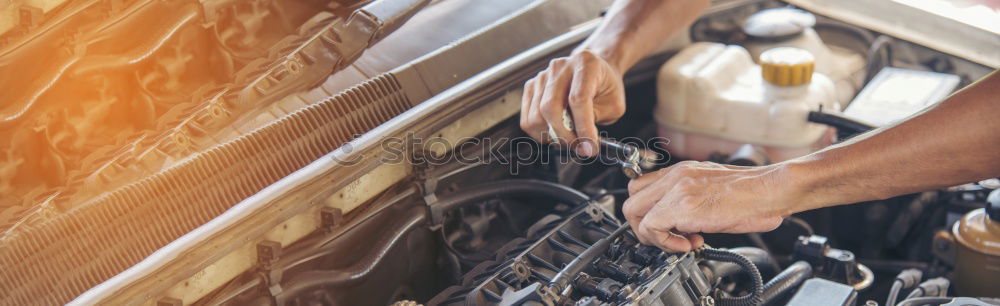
column 909, row 23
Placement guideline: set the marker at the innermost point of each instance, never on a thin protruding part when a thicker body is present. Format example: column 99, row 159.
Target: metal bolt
column 267, row 253
column 707, row 301
column 631, row 171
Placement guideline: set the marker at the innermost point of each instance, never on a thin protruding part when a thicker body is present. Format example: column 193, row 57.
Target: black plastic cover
column 821, row 292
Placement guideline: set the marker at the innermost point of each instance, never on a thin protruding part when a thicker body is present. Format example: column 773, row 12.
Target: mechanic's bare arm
column 589, row 81
column 954, row 142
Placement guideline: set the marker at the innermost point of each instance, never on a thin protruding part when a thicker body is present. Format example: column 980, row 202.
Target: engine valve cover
column 624, row 273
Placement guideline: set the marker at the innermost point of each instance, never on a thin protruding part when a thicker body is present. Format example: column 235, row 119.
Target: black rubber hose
column 874, row 54
column 758, row 257
column 756, row 290
column 864, row 37
column 513, row 187
column 786, row 281
column 842, row 123
column 801, row 223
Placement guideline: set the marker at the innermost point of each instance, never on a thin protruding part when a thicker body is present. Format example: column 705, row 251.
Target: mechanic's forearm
column 634, row 28
column 954, row 142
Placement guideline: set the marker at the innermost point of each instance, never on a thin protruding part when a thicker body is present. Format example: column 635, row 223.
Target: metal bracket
column 267, row 254
column 330, row 218
column 427, row 185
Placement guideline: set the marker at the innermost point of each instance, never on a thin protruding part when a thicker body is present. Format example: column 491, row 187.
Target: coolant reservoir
column 791, row 27
column 714, row 98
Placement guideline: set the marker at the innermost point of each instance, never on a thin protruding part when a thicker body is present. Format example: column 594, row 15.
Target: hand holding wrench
column 631, row 159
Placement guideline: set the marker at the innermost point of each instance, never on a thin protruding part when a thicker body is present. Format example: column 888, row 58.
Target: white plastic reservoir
column 714, row 98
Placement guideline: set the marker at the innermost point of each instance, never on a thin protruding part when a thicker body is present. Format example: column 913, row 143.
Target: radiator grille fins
column 53, row 261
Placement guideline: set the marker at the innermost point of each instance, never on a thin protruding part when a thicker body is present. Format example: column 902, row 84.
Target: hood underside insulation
column 54, row 262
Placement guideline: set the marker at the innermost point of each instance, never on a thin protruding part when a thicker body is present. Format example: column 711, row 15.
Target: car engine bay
column 450, row 203
column 489, row 238
column 532, row 225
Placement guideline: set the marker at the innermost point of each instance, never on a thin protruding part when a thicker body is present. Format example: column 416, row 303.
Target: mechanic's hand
column 589, row 85
column 669, row 207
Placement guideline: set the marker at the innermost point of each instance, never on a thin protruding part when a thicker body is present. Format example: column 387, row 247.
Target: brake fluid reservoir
column 714, row 98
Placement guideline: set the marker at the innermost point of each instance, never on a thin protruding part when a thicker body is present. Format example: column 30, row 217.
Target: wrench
column 633, row 156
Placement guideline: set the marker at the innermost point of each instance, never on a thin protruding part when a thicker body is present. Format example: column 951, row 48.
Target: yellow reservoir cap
column 787, row 66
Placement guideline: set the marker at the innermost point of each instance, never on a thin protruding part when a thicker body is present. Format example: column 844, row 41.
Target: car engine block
column 588, row 258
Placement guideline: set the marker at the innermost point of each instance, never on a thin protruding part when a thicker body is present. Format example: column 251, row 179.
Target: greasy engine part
column 588, row 257
column 834, row 264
